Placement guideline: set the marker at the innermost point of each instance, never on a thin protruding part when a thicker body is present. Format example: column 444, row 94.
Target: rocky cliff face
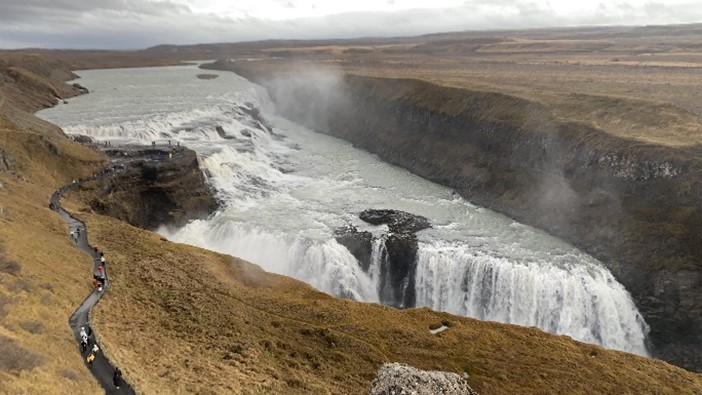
column 634, row 206
column 156, row 186
column 398, row 256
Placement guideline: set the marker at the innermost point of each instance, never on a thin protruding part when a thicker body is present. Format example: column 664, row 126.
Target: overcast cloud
column 130, row 24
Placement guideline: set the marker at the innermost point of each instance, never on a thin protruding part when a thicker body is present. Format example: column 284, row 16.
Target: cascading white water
column 326, row 265
column 378, row 255
column 286, row 192
column 580, row 299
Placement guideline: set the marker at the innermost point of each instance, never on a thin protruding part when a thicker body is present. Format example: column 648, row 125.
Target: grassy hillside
column 42, row 276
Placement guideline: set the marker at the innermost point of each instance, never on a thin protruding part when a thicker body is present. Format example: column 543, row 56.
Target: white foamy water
column 285, row 193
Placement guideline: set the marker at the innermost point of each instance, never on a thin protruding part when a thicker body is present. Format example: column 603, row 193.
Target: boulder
column 401, row 379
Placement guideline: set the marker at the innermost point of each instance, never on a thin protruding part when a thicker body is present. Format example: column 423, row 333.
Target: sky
column 134, row 24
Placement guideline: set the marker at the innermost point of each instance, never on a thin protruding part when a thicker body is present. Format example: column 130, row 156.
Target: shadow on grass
column 16, row 358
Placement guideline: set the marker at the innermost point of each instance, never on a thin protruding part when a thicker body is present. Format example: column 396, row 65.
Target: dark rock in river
column 397, row 270
column 83, row 139
column 358, row 243
column 398, row 260
column 397, row 221
column 222, row 134
column 81, row 89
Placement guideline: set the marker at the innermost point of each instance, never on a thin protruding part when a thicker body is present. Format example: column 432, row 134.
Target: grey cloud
column 138, row 24
column 32, row 10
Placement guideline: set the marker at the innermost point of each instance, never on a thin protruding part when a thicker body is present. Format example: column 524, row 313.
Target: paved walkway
column 101, row 369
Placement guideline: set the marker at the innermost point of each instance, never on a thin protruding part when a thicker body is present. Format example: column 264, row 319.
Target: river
column 285, row 191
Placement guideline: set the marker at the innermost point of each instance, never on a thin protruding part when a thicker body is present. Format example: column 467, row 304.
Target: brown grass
column 222, row 325
column 16, row 358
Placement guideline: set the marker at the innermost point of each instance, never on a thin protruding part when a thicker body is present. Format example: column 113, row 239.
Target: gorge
column 285, row 190
column 596, row 190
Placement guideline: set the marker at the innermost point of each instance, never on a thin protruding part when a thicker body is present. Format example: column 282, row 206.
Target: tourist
column 95, row 348
column 82, row 332
column 117, row 378
column 90, row 358
column 83, row 343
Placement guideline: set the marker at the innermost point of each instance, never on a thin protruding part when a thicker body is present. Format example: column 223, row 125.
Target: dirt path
column 102, row 369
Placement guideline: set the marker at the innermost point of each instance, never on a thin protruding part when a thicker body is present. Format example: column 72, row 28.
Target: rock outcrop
column 397, row 259
column 397, row 221
column 158, row 186
column 635, row 206
column 401, row 379
column 359, row 244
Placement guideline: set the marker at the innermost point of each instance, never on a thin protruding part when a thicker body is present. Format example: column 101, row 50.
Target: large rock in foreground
column 401, row 379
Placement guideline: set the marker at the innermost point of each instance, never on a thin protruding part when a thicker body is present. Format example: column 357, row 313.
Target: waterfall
column 581, row 300
column 285, row 191
column 324, row 264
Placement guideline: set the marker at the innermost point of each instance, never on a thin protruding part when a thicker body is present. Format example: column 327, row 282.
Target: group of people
column 99, row 280
column 85, row 343
column 90, row 358
column 99, row 276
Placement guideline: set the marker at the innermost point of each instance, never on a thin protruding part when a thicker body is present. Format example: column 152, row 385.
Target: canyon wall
column 632, row 205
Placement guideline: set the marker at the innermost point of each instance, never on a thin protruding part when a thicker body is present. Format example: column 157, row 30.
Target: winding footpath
column 102, row 369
